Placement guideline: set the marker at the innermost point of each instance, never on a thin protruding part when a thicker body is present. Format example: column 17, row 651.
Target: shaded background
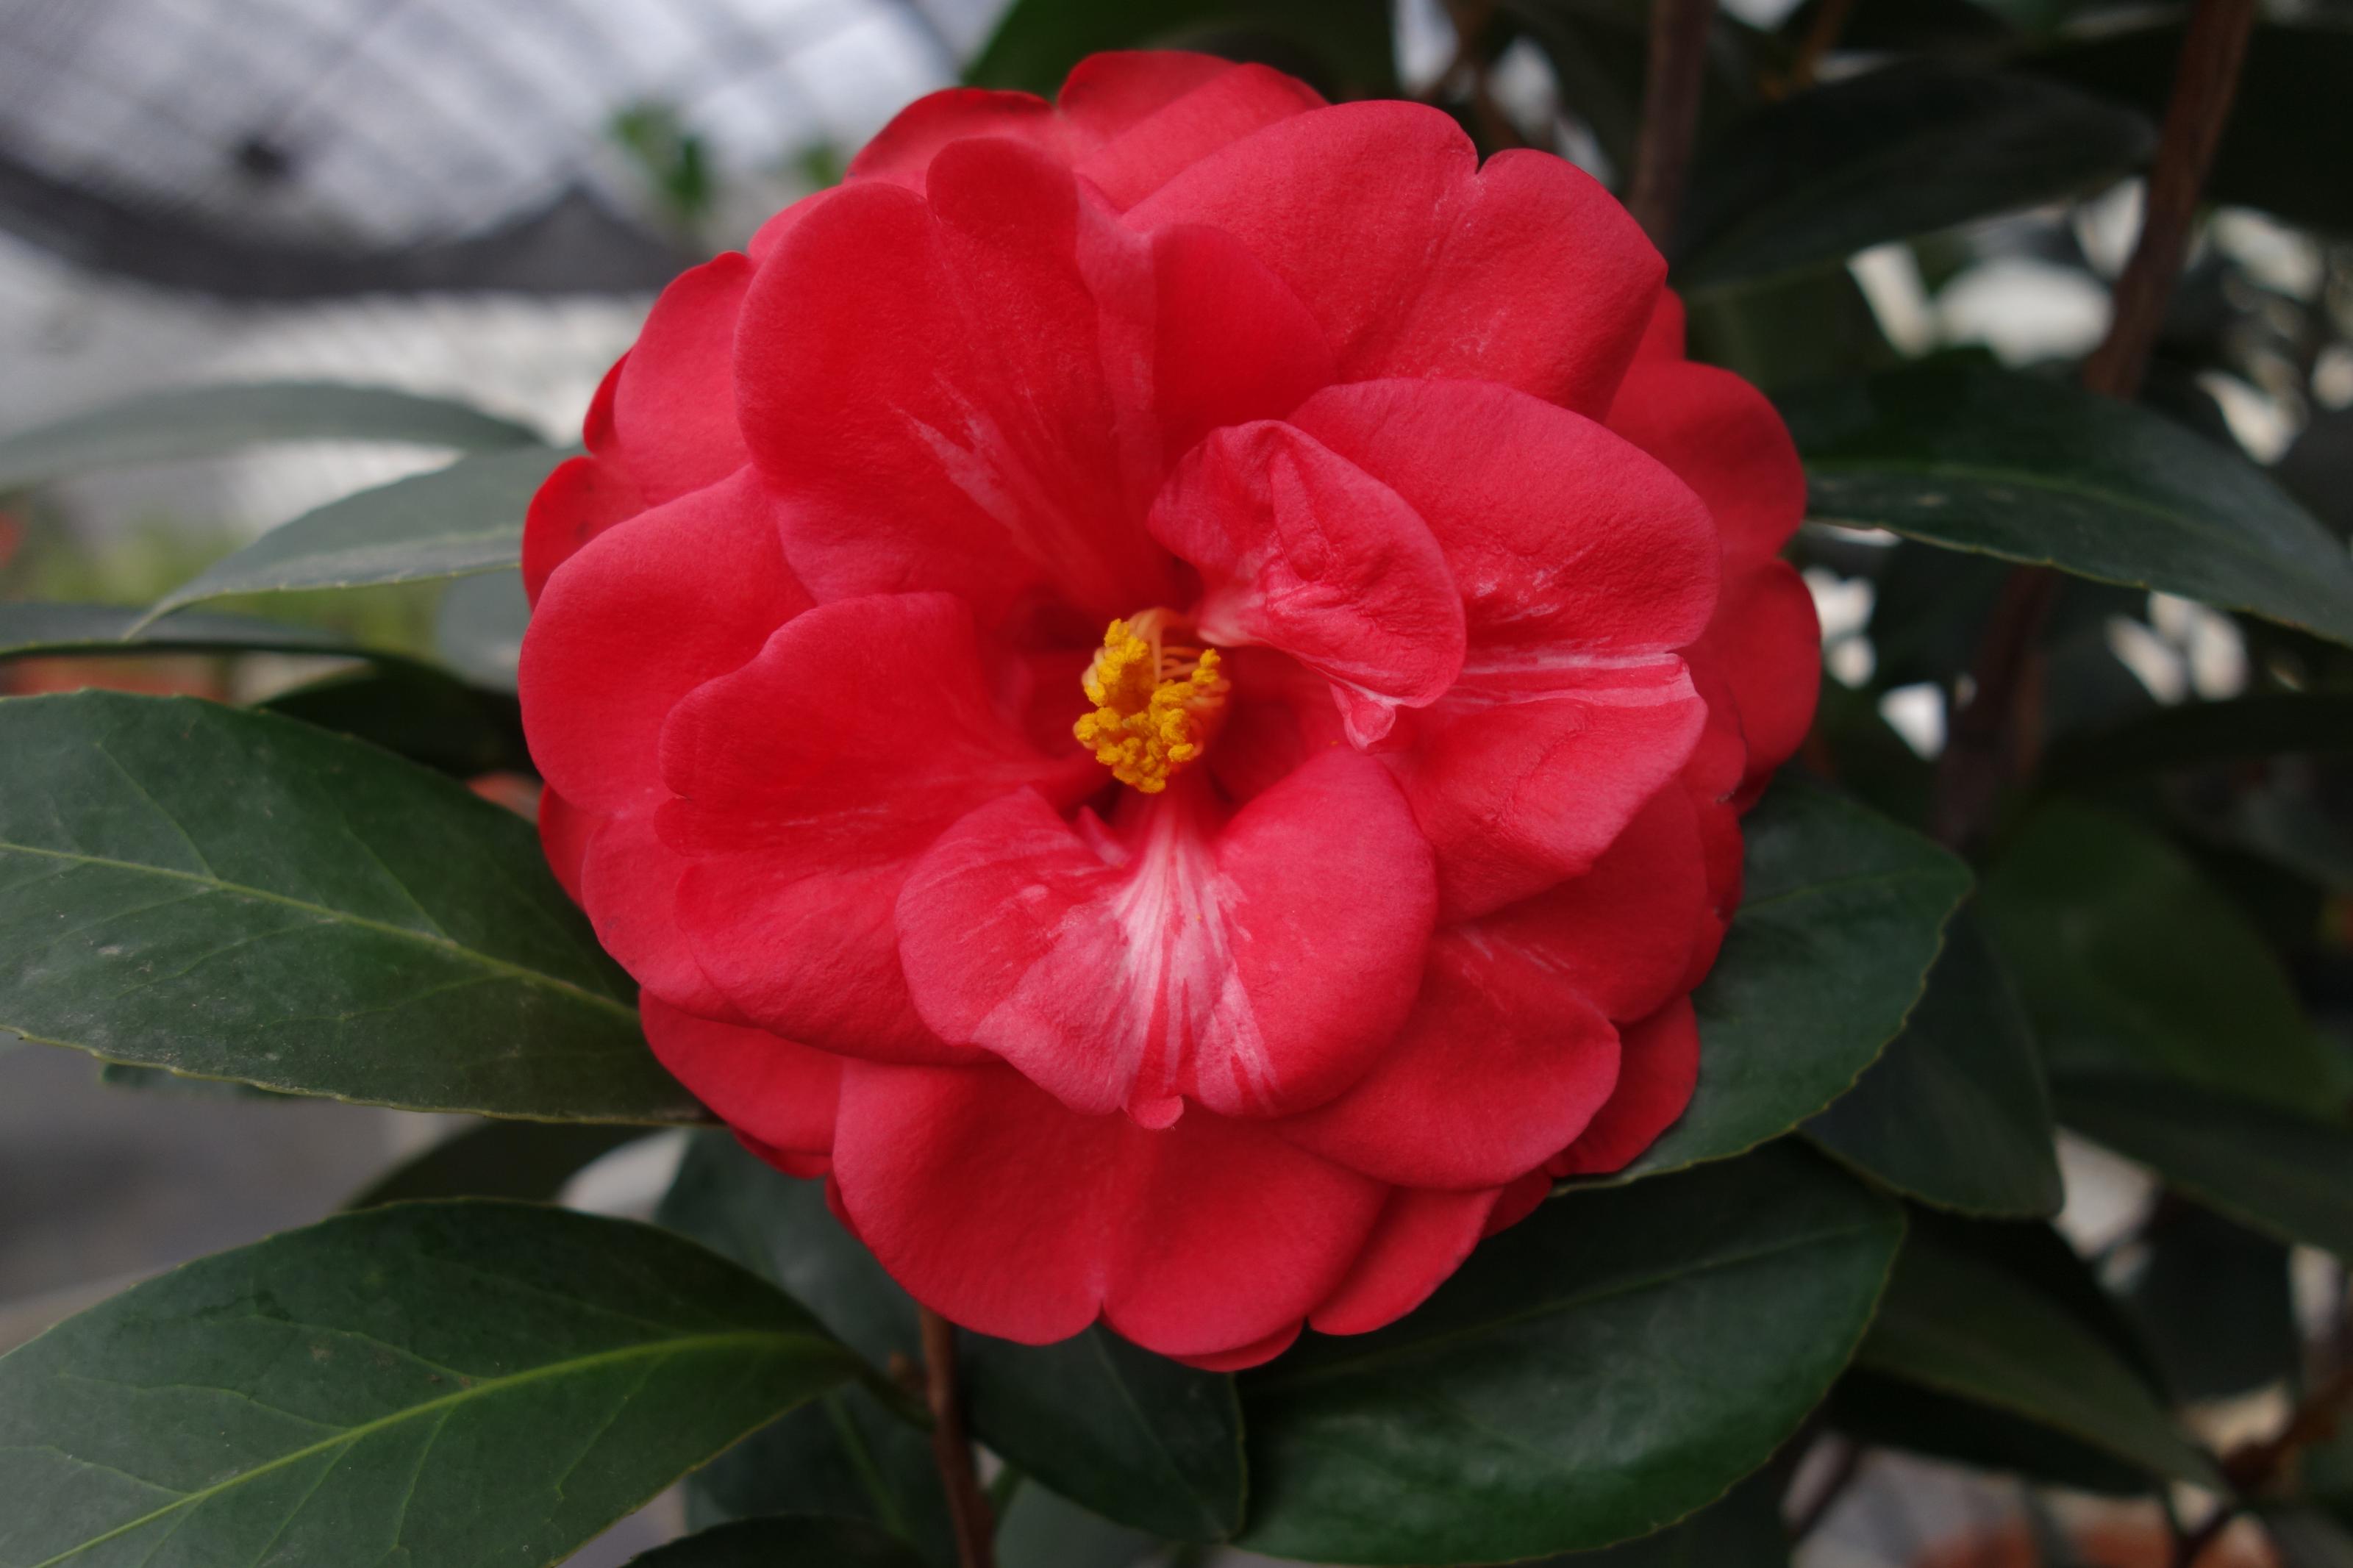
column 480, row 200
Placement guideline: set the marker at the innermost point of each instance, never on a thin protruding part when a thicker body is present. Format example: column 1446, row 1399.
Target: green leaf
column 417, row 713
column 451, row 523
column 446, row 1385
column 1958, row 1323
column 1956, row 1112
column 49, row 630
column 526, row 1160
column 200, row 421
column 2128, row 958
column 1841, row 916
column 2286, row 1173
column 1966, row 455
column 1134, row 1435
column 790, row 1541
column 2289, row 110
column 1888, row 1412
column 1790, row 330
column 480, row 626
column 1889, row 153
column 1042, row 1530
column 2213, row 1298
column 1741, row 1530
column 231, row 894
column 2192, row 735
column 847, row 1453
column 1609, row 1365
column 1037, row 41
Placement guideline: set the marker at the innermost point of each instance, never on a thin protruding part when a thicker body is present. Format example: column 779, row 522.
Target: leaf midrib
column 354, row 1435
column 424, row 939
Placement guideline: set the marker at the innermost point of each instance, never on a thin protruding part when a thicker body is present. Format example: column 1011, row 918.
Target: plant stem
column 968, row 1510
column 1996, row 737
column 1671, row 88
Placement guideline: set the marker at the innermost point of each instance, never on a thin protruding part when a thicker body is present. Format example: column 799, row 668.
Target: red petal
column 774, row 1092
column 1766, row 642
column 1514, row 797
column 1655, row 1077
column 1179, row 959
column 640, row 617
column 673, row 414
column 1419, row 263
column 1622, row 934
column 1517, row 1201
column 1300, row 549
column 1420, row 1240
column 1500, row 1066
column 1663, row 337
column 564, row 830
column 954, row 395
column 808, row 782
column 997, row 1208
column 903, row 151
column 1108, row 94
column 583, row 498
column 1223, row 107
column 1724, row 439
column 1241, row 1358
column 628, row 883
column 1568, row 540
column 1231, row 342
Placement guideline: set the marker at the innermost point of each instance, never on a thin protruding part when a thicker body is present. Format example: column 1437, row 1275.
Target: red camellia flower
column 1160, row 686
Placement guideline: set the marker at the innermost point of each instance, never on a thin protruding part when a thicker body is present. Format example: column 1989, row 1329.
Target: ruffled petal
column 1301, row 551
column 1417, row 262
column 997, row 1207
column 808, row 781
column 1501, row 1065
column 954, row 393
column 1514, row 795
column 1241, row 1358
column 583, row 498
column 1620, row 935
column 1178, row 959
column 564, row 832
column 629, row 884
column 1568, row 543
column 1111, row 93
column 1517, row 1201
column 1420, row 1240
column 1662, row 338
column 645, row 614
column 1224, row 106
column 1722, row 438
column 673, row 410
column 1767, row 643
column 781, row 1094
column 900, row 153
column 1231, row 341
column 1656, row 1074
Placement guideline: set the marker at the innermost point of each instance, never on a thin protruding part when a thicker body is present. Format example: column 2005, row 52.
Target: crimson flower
column 1160, row 686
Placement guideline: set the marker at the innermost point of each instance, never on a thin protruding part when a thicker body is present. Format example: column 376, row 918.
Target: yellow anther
column 1153, row 702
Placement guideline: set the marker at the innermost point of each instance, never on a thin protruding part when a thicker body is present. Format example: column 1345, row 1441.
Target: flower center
column 1155, row 700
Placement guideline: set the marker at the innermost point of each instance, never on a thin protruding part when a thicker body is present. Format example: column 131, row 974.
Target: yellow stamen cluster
column 1153, row 702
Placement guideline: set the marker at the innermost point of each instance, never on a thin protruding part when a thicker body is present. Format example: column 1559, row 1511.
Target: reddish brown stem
column 1671, row 90
column 1995, row 738
column 968, row 1512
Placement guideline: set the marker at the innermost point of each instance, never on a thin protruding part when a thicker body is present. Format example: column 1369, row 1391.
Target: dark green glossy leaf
column 1347, row 42
column 200, row 421
column 847, row 1454
column 1607, row 1366
column 480, row 626
column 1955, row 1112
column 44, row 630
column 2286, row 1173
column 1889, row 153
column 1958, row 1323
column 790, row 1541
column 526, row 1160
column 419, row 713
column 1972, row 457
column 1042, row 1530
column 1137, row 1437
column 451, row 523
column 1790, row 330
column 1741, row 1530
column 2213, row 1298
column 231, row 894
column 443, row 1385
column 2192, row 735
column 2290, row 111
column 1888, row 1412
column 1841, row 918
column 2128, row 958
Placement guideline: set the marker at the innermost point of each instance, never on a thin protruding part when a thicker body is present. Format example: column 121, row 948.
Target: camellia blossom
column 1159, row 687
